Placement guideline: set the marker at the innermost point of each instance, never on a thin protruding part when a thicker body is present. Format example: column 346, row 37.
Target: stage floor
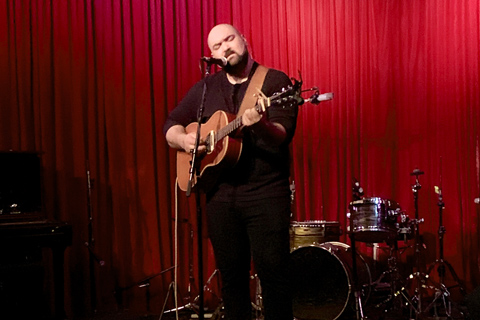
column 457, row 313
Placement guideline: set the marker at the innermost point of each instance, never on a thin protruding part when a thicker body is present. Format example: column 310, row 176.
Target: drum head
column 322, row 281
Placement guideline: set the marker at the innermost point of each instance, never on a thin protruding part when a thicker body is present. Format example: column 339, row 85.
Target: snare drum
column 374, row 219
column 313, row 232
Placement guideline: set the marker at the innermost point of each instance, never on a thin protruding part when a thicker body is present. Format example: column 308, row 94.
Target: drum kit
column 332, row 280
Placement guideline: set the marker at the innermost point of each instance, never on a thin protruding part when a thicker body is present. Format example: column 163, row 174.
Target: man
column 248, row 209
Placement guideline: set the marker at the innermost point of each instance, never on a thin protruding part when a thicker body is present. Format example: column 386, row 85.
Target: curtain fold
column 88, row 84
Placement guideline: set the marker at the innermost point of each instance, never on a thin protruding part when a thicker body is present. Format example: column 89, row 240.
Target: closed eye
column 229, row 38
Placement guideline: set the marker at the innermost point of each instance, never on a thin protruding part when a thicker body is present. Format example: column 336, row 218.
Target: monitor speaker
column 20, row 183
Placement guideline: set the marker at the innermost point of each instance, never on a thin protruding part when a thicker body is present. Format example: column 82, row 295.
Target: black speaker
column 20, row 183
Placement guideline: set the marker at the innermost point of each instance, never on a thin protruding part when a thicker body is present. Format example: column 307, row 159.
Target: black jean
column 258, row 230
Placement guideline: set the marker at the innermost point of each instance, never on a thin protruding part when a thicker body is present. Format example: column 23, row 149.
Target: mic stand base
column 189, row 306
column 192, row 306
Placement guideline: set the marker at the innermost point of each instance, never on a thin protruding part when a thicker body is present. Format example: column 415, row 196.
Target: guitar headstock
column 287, row 97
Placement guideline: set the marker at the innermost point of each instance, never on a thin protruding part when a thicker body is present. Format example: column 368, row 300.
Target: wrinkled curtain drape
column 88, row 84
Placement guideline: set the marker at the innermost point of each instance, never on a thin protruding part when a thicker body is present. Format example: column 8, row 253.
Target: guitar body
column 223, row 148
column 222, row 155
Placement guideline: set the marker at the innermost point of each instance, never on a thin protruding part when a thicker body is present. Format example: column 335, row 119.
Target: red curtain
column 89, row 84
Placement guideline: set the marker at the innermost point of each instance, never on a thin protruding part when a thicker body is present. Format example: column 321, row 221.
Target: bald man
column 248, row 207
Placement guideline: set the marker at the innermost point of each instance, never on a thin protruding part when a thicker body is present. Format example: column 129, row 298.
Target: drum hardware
column 404, row 227
column 394, row 284
column 357, row 193
column 443, row 264
column 257, row 304
column 357, row 292
column 292, row 192
column 418, row 278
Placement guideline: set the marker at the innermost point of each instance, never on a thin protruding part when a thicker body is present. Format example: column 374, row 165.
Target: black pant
column 258, row 229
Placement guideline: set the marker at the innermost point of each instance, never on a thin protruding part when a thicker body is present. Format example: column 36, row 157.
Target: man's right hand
column 189, row 143
column 178, row 138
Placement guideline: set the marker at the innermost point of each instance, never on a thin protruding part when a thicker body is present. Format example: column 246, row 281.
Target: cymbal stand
column 417, row 275
column 357, row 192
column 442, row 263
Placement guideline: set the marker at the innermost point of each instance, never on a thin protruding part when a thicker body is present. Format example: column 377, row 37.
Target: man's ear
column 244, row 39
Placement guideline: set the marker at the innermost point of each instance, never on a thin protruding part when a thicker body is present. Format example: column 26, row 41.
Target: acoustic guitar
column 223, row 142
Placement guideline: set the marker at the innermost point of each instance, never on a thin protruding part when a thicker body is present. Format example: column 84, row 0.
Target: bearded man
column 248, row 206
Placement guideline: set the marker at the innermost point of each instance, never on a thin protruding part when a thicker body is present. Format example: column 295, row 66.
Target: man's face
column 225, row 41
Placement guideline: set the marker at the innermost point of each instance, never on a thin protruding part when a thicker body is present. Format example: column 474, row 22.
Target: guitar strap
column 250, row 99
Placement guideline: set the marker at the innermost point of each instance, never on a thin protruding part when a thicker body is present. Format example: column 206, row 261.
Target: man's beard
column 238, row 68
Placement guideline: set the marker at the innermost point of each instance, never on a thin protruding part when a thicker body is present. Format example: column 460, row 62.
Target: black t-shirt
column 263, row 169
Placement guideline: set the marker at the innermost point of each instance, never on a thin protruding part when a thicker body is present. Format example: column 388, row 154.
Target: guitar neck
column 229, row 128
column 261, row 107
column 235, row 124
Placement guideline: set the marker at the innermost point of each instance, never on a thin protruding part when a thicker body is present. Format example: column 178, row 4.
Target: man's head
column 224, row 40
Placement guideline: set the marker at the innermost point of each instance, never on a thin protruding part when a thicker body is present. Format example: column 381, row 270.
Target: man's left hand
column 250, row 117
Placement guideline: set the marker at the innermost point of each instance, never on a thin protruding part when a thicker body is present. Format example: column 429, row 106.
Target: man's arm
column 178, row 138
column 277, row 125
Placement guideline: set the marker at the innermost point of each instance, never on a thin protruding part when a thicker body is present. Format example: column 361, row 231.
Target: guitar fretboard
column 229, row 128
column 237, row 123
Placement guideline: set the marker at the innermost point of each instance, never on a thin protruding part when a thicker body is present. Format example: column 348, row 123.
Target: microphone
column 356, row 187
column 359, row 189
column 317, row 97
column 222, row 62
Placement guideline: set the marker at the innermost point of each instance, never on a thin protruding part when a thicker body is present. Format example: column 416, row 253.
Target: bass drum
column 323, row 281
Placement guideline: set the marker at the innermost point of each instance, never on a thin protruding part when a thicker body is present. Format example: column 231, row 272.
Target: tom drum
column 374, row 219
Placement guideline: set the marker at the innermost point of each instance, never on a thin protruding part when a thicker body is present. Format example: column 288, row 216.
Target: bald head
column 224, row 40
column 219, row 32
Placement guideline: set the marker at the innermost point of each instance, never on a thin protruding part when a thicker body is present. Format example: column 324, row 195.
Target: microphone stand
column 190, row 304
column 90, row 244
column 193, row 173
